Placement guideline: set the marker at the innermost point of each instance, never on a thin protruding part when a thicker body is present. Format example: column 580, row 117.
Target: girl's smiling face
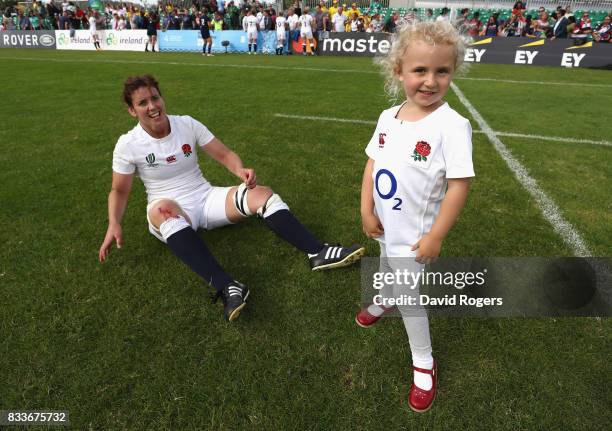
column 426, row 72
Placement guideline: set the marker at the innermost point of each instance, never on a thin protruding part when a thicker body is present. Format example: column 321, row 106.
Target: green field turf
column 135, row 343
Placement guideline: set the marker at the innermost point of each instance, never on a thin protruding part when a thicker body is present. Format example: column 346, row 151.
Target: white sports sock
column 423, row 380
column 172, row 226
column 375, row 310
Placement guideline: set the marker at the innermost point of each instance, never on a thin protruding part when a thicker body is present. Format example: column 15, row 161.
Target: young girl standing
column 417, row 178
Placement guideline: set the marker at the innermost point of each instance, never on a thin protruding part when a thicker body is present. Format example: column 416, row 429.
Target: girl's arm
column 430, row 244
column 370, row 222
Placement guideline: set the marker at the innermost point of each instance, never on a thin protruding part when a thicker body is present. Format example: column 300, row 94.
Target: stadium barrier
column 44, row 39
column 191, row 41
column 492, row 50
column 111, row 40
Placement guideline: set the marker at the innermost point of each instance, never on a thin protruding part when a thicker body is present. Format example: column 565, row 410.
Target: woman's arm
column 232, row 162
column 117, row 202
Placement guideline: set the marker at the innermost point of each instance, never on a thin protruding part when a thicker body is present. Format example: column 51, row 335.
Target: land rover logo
column 46, row 40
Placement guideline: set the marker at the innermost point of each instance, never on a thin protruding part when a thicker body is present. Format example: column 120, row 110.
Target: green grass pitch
column 136, row 344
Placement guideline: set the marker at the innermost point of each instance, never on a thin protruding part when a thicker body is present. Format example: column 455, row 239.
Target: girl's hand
column 372, row 226
column 428, row 249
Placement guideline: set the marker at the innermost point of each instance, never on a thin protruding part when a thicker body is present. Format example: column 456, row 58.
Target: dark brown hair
column 133, row 83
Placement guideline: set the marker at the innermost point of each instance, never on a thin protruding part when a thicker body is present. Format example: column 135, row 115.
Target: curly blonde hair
column 432, row 33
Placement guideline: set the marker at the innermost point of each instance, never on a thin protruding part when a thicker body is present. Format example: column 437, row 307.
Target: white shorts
column 252, row 34
column 206, row 212
column 280, row 35
column 306, row 34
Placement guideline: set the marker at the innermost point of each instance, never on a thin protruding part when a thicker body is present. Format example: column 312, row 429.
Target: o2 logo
column 388, row 175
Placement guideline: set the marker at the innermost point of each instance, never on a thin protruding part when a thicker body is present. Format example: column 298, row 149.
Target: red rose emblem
column 381, row 140
column 423, row 148
column 186, row 150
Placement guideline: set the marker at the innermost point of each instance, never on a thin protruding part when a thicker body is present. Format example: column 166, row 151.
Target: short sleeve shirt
column 168, row 167
column 412, row 163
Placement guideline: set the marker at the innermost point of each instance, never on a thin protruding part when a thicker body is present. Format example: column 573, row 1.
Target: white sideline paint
column 510, row 81
column 333, row 119
column 176, row 63
column 549, row 209
column 508, row 134
column 311, row 69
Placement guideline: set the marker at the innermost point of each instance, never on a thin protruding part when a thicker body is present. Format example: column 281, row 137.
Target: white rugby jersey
column 306, row 23
column 250, row 23
column 412, row 162
column 280, row 24
column 168, row 167
column 292, row 20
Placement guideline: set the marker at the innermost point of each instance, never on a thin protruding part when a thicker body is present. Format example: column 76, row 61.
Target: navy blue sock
column 285, row 225
column 189, row 248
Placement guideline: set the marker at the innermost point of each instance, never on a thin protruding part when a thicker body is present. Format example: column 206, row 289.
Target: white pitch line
column 551, row 138
column 307, row 69
column 550, row 210
column 508, row 134
column 176, row 63
column 510, row 81
column 338, row 120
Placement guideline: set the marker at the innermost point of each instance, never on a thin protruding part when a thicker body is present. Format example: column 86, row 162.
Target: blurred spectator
column 187, row 20
column 353, row 10
column 585, row 23
column 64, row 21
column 339, row 21
column 391, row 23
column 173, row 21
column 115, row 22
column 376, row 25
column 518, row 6
column 122, row 23
column 322, row 19
column 297, row 10
column 528, row 29
column 542, row 25
column 34, row 20
column 134, row 18
column 603, row 31
column 462, row 20
column 444, row 15
column 152, row 24
column 410, row 17
column 492, row 26
column 292, row 23
column 23, row 22
column 474, row 25
column 333, row 9
column 571, row 26
column 429, row 15
column 217, row 22
column 560, row 28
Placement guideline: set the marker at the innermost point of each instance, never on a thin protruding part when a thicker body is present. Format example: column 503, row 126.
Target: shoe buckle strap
column 425, row 371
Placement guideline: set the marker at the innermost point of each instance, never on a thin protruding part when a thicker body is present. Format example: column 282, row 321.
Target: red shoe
column 365, row 319
column 420, row 400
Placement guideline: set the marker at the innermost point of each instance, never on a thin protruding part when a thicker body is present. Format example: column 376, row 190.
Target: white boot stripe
column 328, row 252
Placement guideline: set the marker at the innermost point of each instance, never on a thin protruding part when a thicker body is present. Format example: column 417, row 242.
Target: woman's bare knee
column 163, row 210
